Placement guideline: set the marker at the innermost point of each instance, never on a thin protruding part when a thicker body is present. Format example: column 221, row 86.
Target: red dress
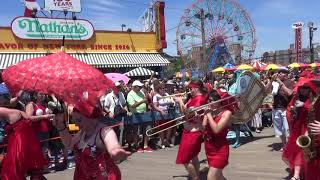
column 217, row 146
column 23, row 151
column 95, row 164
column 98, row 167
column 190, row 145
column 292, row 153
column 312, row 167
column 44, row 124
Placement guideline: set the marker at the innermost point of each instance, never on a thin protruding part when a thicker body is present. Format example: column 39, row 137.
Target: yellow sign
column 101, row 41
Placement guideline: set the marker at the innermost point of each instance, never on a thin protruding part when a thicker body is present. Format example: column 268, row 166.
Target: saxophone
column 308, row 142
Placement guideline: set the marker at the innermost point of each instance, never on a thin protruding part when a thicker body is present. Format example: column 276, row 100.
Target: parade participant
column 190, row 144
column 95, row 146
column 23, row 149
column 41, row 126
column 296, row 114
column 216, row 144
column 312, row 167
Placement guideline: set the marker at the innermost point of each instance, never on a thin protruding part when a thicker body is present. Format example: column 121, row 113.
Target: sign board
column 45, row 28
column 63, row 5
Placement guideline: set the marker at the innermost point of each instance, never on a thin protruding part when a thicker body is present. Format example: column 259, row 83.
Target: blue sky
column 272, row 18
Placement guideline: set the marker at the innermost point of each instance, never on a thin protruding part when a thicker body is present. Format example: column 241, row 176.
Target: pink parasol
column 118, row 77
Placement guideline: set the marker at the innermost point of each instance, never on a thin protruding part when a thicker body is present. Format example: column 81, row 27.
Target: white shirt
column 163, row 103
column 111, row 100
column 275, row 88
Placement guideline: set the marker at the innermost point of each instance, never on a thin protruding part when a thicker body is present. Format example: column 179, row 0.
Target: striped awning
column 98, row 60
column 140, row 72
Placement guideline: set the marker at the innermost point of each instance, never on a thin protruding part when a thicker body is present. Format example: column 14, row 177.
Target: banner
column 63, row 5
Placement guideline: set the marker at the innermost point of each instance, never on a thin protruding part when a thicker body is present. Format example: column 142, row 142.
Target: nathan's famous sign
column 45, row 28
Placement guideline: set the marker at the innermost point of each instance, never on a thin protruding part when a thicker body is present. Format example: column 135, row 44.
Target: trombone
column 200, row 111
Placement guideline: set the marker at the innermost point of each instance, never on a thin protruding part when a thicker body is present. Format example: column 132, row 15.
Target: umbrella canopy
column 219, row 70
column 315, row 65
column 297, row 65
column 60, row 74
column 180, row 75
column 118, row 77
column 244, row 67
column 140, row 71
column 270, row 67
column 257, row 64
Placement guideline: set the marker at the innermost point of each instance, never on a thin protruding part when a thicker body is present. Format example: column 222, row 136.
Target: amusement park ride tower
column 298, row 40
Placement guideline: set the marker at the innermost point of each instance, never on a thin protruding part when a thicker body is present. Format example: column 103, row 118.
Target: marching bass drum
column 252, row 92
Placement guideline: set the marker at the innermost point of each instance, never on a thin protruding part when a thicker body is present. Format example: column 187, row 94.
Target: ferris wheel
column 215, row 32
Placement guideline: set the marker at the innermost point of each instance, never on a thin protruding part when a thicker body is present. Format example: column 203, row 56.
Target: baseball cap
column 137, row 83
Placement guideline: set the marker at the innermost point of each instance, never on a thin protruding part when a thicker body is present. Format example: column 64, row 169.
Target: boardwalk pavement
column 257, row 159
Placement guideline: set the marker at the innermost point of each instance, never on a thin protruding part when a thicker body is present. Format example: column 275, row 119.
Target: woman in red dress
column 95, row 146
column 312, row 167
column 297, row 113
column 190, row 144
column 23, row 149
column 216, row 144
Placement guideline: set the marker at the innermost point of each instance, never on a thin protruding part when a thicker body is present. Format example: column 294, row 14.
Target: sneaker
column 148, row 149
column 71, row 165
column 171, row 145
column 258, row 131
column 163, row 147
column 236, row 145
column 140, row 150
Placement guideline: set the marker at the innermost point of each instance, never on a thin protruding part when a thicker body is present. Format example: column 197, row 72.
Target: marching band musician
column 216, row 143
column 190, row 144
column 297, row 113
column 312, row 167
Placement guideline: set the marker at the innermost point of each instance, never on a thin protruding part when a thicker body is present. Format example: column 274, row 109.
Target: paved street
column 255, row 160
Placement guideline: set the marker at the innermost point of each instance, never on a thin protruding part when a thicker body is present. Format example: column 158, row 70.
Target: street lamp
column 123, row 26
column 312, row 28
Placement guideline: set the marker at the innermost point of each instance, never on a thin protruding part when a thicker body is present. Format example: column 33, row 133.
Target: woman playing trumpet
column 190, row 144
column 215, row 133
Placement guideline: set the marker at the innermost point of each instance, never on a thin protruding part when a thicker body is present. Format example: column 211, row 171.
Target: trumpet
column 174, row 95
column 214, row 107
